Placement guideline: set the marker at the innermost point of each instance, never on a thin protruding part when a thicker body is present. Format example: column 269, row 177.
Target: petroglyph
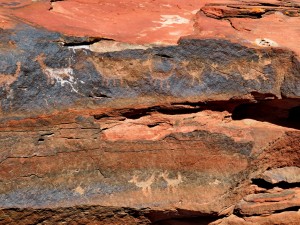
column 161, row 69
column 194, row 69
column 117, row 71
column 215, row 182
column 61, row 76
column 79, row 190
column 8, row 79
column 145, row 185
column 79, row 47
column 250, row 70
column 172, row 183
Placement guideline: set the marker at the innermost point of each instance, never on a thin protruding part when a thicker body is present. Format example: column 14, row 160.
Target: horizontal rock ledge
column 181, row 112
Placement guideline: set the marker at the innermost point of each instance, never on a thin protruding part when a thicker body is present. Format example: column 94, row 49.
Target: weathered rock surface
column 279, row 218
column 149, row 112
column 286, row 174
column 267, row 203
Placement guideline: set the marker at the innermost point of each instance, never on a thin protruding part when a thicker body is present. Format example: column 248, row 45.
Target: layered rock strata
column 197, row 126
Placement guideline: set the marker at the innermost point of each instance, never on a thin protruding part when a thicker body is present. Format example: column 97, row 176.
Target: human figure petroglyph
column 172, row 183
column 60, row 75
column 145, row 185
column 8, row 79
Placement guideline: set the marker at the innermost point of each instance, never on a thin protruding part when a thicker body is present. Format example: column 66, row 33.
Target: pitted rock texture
column 147, row 112
column 43, row 74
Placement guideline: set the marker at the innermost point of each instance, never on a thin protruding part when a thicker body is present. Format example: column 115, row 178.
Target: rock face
column 150, row 113
column 286, row 174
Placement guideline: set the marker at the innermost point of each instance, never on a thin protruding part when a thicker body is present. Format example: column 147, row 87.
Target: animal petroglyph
column 79, row 190
column 8, row 79
column 61, row 76
column 161, row 69
column 172, row 183
column 117, row 71
column 79, row 47
column 249, row 70
column 145, row 185
column 194, row 69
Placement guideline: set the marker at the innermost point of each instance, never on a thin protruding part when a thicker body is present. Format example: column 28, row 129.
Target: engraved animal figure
column 249, row 70
column 145, row 185
column 60, row 75
column 161, row 69
column 117, row 70
column 8, row 79
column 172, row 183
column 194, row 69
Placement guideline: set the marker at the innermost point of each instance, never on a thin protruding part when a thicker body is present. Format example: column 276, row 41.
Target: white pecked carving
column 61, row 76
column 172, row 183
column 144, row 185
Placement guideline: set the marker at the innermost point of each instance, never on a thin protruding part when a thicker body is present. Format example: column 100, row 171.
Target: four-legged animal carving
column 60, row 75
column 161, row 70
column 172, row 183
column 117, row 72
column 8, row 79
column 145, row 185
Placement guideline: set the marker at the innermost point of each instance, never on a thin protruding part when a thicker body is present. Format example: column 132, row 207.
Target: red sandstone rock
column 284, row 218
column 162, row 112
column 267, row 203
column 127, row 21
column 165, row 22
column 270, row 30
column 286, row 174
